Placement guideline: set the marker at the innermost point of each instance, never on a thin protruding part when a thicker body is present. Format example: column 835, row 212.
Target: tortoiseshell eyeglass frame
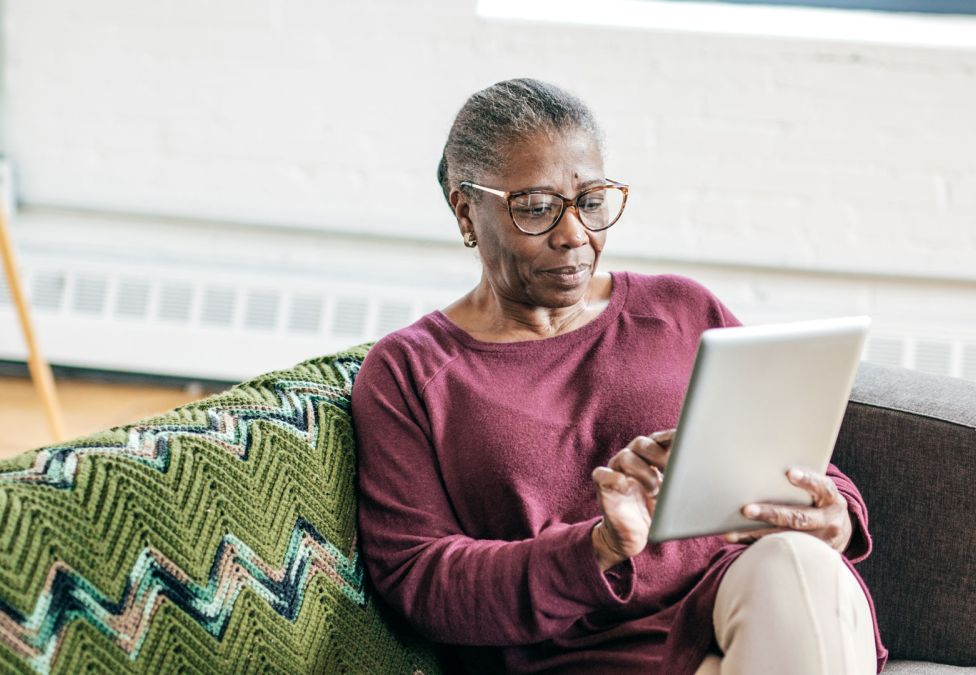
column 567, row 202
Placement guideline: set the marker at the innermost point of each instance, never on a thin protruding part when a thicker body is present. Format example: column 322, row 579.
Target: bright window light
column 924, row 30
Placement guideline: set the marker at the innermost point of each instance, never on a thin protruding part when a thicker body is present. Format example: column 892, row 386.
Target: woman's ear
column 462, row 211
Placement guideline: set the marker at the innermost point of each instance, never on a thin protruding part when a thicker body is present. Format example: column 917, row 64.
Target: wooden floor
column 87, row 406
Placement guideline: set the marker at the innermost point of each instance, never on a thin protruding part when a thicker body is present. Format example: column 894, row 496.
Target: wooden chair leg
column 40, row 371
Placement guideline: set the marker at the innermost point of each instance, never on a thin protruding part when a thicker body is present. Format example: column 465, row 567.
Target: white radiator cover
column 210, row 301
column 227, row 302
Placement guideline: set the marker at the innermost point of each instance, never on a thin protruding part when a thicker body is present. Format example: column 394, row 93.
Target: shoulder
column 670, row 289
column 408, row 357
column 676, row 297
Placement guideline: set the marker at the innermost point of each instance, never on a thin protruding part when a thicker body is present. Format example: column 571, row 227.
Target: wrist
column 605, row 555
column 847, row 532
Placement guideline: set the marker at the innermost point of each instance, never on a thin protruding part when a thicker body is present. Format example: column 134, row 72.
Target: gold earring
column 469, row 240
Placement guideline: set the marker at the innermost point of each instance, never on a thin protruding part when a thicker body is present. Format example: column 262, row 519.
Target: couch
column 220, row 536
column 908, row 441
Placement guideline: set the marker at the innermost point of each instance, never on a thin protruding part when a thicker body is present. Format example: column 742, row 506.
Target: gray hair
column 504, row 113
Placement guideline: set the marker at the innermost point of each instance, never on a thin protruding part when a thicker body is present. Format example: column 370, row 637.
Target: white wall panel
column 798, row 153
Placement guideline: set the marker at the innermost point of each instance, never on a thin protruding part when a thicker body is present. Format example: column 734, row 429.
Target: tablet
column 761, row 399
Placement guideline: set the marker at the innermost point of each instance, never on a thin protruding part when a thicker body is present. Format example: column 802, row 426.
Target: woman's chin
column 564, row 290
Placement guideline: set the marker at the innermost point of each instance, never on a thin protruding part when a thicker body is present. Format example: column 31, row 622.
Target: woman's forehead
column 558, row 162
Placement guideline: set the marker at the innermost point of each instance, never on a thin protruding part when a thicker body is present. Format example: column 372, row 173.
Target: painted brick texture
column 804, row 154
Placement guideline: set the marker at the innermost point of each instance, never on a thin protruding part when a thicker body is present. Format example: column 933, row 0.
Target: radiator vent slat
column 969, row 362
column 306, row 314
column 175, row 302
column 47, row 291
column 933, row 357
column 89, row 295
column 132, row 298
column 218, row 306
column 885, row 351
column 349, row 319
column 393, row 314
column 261, row 310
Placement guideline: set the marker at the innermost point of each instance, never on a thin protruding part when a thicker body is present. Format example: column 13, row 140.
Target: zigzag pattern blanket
column 217, row 537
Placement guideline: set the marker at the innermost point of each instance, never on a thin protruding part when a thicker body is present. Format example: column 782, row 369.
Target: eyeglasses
column 536, row 212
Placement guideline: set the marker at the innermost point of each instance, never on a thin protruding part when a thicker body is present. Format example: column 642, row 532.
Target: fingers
column 616, row 486
column 642, row 462
column 821, row 487
column 804, row 518
column 664, row 438
column 608, row 479
column 629, row 463
column 824, row 520
column 653, row 449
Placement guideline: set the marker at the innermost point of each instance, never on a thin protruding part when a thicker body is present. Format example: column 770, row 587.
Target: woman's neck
column 490, row 316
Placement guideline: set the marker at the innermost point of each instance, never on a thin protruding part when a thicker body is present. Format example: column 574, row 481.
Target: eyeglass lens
column 537, row 212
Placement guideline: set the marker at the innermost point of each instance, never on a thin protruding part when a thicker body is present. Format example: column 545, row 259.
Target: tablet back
column 761, row 399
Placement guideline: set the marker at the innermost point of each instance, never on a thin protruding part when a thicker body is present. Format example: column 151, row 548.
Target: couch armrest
column 908, row 441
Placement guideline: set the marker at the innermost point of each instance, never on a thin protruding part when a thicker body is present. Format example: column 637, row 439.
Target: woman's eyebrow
column 550, row 188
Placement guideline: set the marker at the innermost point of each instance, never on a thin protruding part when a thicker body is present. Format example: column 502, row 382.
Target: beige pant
column 788, row 605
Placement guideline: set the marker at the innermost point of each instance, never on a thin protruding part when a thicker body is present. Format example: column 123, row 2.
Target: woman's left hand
column 826, row 519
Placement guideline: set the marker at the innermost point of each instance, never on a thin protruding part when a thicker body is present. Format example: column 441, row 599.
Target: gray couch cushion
column 923, row 668
column 908, row 441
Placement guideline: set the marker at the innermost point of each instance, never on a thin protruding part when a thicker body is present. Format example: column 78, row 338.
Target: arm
column 453, row 588
column 860, row 545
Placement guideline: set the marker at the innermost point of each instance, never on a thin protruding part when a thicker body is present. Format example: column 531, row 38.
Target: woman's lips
column 568, row 275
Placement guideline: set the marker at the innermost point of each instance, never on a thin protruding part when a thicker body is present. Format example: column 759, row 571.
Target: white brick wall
column 767, row 151
column 757, row 164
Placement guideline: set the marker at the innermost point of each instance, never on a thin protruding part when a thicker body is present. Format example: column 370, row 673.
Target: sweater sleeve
column 450, row 587
column 860, row 544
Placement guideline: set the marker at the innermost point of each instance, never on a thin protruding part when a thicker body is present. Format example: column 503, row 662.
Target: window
column 801, row 19
column 926, row 6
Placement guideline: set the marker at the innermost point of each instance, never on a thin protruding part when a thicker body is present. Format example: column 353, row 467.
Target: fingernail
column 796, row 474
column 731, row 537
column 751, row 511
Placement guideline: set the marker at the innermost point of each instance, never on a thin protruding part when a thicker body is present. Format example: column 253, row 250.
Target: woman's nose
column 569, row 231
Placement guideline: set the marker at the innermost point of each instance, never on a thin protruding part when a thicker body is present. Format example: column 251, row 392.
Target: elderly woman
column 508, row 472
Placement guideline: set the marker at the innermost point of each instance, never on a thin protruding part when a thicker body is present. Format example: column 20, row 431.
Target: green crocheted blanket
column 217, row 537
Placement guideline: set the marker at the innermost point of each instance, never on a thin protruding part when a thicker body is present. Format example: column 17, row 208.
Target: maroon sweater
column 476, row 502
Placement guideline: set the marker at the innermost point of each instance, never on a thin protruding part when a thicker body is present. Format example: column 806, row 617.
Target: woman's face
column 549, row 270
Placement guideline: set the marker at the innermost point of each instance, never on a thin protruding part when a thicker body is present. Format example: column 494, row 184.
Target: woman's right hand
column 626, row 490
